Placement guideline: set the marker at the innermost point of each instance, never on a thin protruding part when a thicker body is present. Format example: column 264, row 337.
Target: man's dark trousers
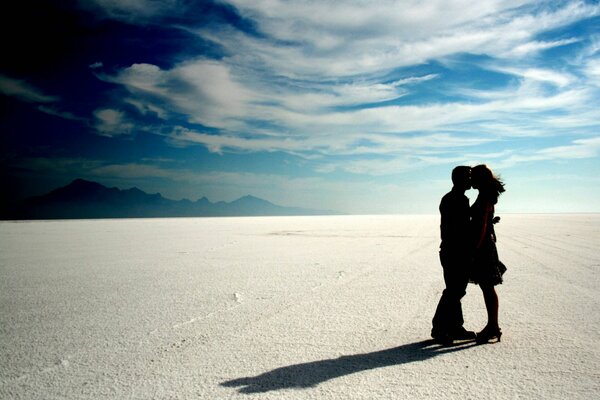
column 448, row 317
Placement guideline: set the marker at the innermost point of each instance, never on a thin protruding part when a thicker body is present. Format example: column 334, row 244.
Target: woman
column 487, row 269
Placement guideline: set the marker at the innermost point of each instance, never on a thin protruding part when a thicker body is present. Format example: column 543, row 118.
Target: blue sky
column 357, row 106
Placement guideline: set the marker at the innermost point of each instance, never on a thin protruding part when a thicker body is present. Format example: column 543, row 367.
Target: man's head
column 461, row 177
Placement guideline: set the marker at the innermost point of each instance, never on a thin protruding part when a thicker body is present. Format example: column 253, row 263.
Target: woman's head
column 484, row 180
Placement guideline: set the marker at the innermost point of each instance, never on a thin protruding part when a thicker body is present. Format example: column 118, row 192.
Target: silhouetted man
column 455, row 254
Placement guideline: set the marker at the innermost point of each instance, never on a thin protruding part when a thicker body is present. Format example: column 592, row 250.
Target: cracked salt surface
column 270, row 308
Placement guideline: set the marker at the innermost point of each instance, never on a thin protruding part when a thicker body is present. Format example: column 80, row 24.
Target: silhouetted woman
column 487, row 270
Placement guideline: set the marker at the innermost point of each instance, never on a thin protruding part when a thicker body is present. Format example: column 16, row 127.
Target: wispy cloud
column 578, row 149
column 24, row 91
column 62, row 114
column 204, row 90
column 328, row 39
column 134, row 11
column 29, row 93
column 537, row 46
column 556, row 78
column 110, row 122
column 592, row 71
column 56, row 165
column 135, row 171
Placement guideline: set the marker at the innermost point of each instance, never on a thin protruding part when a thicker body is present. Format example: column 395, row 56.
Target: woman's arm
column 481, row 227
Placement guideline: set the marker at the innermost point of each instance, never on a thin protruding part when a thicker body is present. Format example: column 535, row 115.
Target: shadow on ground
column 307, row 375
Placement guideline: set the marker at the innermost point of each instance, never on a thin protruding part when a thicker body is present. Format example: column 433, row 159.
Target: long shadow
column 307, row 375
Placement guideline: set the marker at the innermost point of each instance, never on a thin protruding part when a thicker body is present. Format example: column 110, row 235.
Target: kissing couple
column 468, row 254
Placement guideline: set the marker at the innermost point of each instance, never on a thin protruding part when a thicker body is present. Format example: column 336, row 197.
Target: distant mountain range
column 86, row 199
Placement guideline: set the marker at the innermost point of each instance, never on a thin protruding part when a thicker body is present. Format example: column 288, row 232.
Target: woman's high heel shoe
column 488, row 334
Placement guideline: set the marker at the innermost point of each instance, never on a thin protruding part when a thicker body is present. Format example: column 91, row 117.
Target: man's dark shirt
column 454, row 227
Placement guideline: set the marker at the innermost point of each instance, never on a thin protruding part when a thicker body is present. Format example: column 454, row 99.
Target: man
column 455, row 253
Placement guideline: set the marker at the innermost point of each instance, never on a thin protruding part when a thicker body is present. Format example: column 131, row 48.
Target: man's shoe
column 442, row 337
column 438, row 334
column 463, row 334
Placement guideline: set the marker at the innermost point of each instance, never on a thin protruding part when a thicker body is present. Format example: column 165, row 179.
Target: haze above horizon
column 363, row 108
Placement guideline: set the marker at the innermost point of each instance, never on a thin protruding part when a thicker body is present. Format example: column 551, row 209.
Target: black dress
column 487, row 269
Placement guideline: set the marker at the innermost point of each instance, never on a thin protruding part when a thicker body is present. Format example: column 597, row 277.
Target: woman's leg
column 491, row 304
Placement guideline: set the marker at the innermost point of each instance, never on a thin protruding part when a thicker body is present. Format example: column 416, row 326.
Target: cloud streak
column 24, row 91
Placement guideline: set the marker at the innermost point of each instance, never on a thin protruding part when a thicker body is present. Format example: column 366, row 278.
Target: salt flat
column 289, row 307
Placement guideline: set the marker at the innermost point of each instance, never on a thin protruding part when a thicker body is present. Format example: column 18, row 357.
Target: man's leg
column 442, row 319
column 456, row 286
column 440, row 325
column 448, row 319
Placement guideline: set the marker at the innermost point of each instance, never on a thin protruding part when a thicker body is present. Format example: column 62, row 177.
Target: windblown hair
column 488, row 184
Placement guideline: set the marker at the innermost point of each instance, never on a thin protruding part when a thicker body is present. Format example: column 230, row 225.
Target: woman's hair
column 488, row 184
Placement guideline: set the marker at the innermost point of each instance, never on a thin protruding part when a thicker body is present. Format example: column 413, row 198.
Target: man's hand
column 496, row 220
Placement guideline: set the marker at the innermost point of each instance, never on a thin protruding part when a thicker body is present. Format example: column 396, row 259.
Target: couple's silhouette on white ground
column 468, row 254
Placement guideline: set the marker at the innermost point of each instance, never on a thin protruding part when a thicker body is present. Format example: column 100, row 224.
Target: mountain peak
column 250, row 198
column 82, row 183
column 79, row 188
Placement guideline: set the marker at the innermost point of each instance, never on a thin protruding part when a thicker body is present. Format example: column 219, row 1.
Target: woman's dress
column 487, row 269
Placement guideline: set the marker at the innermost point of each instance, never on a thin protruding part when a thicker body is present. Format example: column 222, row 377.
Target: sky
column 363, row 107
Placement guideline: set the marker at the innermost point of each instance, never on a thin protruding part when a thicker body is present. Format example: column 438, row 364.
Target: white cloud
column 210, row 94
column 541, row 75
column 23, row 91
column 388, row 34
column 386, row 154
column 133, row 171
column 508, row 113
column 592, row 71
column 133, row 11
column 217, row 143
column 380, row 37
column 31, row 94
column 203, row 89
column 578, row 149
column 57, row 165
column 355, row 93
column 110, row 122
column 301, row 122
column 61, row 114
column 96, row 65
column 536, row 46
column 145, row 107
